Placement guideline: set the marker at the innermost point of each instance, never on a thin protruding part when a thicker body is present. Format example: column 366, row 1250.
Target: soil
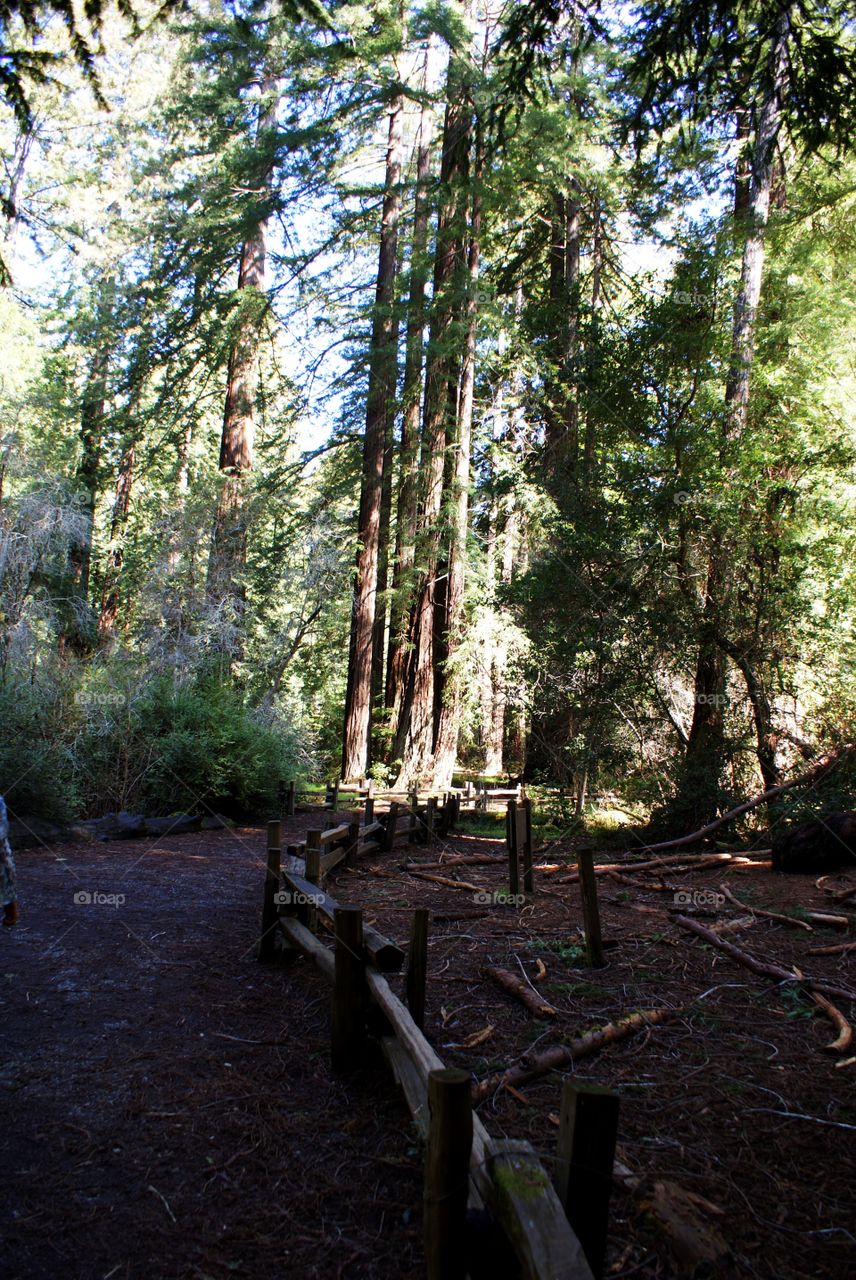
column 171, row 1110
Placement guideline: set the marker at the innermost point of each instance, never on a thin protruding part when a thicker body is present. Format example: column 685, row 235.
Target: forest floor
column 171, row 1111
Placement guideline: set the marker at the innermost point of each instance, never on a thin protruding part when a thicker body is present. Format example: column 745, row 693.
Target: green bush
column 36, row 773
column 169, row 747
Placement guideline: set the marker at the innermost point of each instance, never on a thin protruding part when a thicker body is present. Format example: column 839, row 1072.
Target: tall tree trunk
column 406, row 506
column 704, row 759
column 562, row 418
column 15, row 169
column 593, row 355
column 228, row 555
column 182, row 484
column 74, row 633
column 416, row 727
column 753, row 222
column 116, row 550
column 379, row 411
column 447, row 689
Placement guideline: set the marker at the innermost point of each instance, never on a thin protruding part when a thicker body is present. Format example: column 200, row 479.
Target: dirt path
column 167, row 1105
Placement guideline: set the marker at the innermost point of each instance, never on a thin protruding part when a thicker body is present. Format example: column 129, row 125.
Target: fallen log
column 760, row 911
column 530, row 1068
column 518, row 988
column 761, row 967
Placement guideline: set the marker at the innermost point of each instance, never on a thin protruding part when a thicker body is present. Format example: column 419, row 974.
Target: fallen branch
column 761, row 967
column 798, row 1115
column 734, row 925
column 845, row 1032
column 447, row 881
column 811, row 775
column 760, row 911
column 839, row 949
column 650, row 886
column 675, row 864
column 682, row 1216
column 529, row 1068
column 455, row 860
column 518, row 988
column 823, row 917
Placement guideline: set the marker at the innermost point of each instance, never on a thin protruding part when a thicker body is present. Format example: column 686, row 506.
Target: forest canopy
column 419, row 390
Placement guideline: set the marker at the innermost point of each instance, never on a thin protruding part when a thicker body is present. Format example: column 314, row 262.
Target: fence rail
column 506, row 1178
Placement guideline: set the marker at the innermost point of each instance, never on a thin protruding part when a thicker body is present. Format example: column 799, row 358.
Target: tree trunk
column 416, row 728
column 74, row 633
column 754, row 222
column 379, row 412
column 447, row 681
column 562, row 435
column 406, row 508
column 228, row 555
column 116, row 550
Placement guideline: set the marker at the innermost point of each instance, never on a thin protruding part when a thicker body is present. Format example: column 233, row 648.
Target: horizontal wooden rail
column 333, row 834
column 332, row 859
column 382, row 952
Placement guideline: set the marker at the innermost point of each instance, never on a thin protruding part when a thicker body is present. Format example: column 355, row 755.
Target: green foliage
column 167, row 746
column 36, row 771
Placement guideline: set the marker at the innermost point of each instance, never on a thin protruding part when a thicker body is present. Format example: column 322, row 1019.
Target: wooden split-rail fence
column 546, row 1228
column 474, row 796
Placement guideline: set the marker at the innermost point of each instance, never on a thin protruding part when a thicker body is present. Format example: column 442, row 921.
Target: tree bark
column 379, row 410
column 227, row 560
column 116, row 551
column 74, row 634
column 406, row 508
column 414, row 744
column 754, row 222
column 451, row 623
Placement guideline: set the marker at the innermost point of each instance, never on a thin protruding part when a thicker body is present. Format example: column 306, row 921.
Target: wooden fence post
column 369, row 802
column 391, row 823
column 413, row 801
column 524, row 810
column 417, row 967
column 270, row 908
column 591, row 911
column 588, row 1128
column 353, row 841
column 349, row 990
column 447, row 1166
column 511, row 840
column 312, row 863
column 291, row 799
column 430, row 817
